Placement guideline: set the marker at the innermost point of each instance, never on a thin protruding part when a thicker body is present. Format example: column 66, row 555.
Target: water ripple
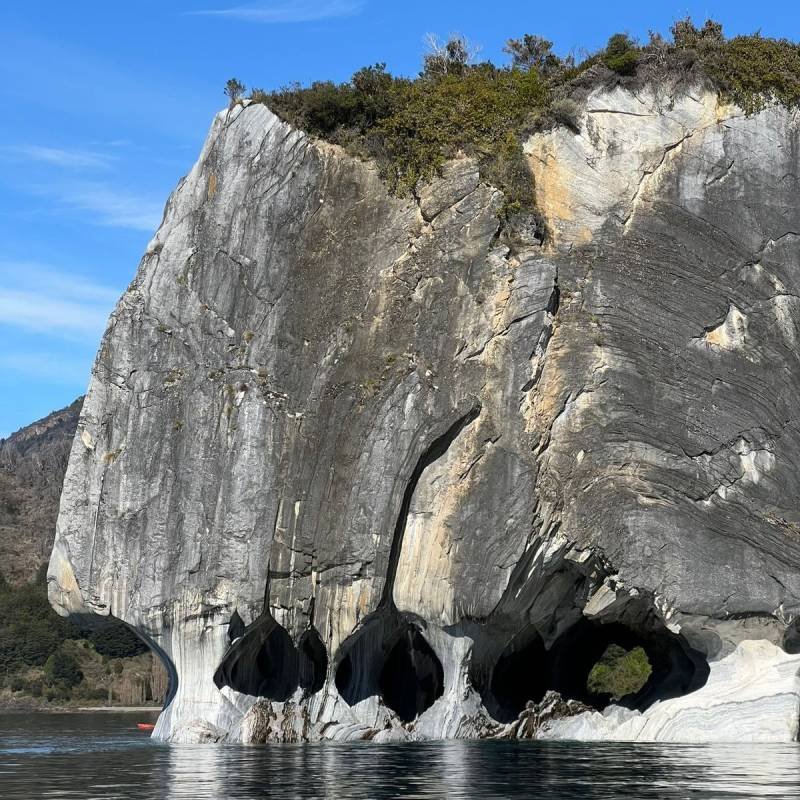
column 103, row 756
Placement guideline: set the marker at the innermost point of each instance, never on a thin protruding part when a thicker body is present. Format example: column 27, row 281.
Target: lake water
column 103, row 755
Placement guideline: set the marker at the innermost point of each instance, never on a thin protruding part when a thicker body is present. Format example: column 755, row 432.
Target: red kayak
column 145, row 726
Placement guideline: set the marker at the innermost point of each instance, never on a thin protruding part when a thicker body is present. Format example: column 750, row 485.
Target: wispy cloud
column 278, row 13
column 106, row 205
column 53, row 302
column 59, row 157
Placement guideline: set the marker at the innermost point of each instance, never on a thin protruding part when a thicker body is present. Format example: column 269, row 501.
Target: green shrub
column 473, row 112
column 619, row 672
column 62, row 669
column 113, row 639
column 621, row 54
column 57, row 694
column 410, row 127
column 686, row 35
column 751, row 71
column 567, row 112
column 536, row 52
column 88, row 693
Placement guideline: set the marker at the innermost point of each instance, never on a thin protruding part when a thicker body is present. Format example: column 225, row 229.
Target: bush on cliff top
column 750, row 70
column 411, row 126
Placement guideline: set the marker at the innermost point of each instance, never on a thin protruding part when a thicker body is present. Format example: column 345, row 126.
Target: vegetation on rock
column 234, row 90
column 619, row 672
column 410, row 127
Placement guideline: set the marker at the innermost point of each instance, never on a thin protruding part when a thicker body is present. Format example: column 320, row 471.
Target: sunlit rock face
column 369, row 467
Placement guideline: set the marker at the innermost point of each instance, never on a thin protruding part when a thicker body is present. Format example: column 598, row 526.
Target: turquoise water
column 91, row 756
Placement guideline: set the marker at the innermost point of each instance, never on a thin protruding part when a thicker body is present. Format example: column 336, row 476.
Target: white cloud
column 277, row 13
column 107, row 205
column 59, row 157
column 53, row 302
column 42, row 314
column 37, row 277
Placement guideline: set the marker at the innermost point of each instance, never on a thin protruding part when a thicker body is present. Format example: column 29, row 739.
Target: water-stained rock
column 355, row 463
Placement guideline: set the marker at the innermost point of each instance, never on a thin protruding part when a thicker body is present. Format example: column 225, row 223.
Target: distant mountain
column 32, row 465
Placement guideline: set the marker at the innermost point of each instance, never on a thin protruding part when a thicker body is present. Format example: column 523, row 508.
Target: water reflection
column 103, row 756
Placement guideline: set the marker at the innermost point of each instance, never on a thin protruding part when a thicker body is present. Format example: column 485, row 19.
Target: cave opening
column 313, row 662
column 277, row 666
column 355, row 676
column 663, row 664
column 264, row 662
column 164, row 684
column 236, row 627
column 412, row 678
column 143, row 673
column 791, row 637
column 153, row 682
column 391, row 659
column 595, row 664
column 519, row 676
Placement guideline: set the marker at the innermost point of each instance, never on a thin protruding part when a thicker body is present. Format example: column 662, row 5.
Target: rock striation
column 360, row 466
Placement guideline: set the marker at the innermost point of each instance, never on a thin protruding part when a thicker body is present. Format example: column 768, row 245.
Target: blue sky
column 105, row 106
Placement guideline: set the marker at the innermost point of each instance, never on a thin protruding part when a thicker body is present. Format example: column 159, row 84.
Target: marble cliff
column 360, row 466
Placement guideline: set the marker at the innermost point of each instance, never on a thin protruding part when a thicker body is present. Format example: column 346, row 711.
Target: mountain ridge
column 33, row 461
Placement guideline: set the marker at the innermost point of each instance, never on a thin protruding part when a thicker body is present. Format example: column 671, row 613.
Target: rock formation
column 361, row 466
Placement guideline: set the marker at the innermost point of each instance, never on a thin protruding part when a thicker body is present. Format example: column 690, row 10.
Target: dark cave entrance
column 518, row 677
column 412, row 678
column 675, row 669
column 791, row 638
column 395, row 662
column 313, row 662
column 662, row 665
column 264, row 661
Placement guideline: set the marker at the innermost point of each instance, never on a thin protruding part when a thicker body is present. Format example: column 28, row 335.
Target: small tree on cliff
column 686, row 34
column 234, row 90
column 533, row 52
column 621, row 54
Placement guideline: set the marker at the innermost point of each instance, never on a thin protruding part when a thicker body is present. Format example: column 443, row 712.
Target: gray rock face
column 365, row 467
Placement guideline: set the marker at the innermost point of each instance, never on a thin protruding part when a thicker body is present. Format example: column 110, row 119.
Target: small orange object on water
column 145, row 726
